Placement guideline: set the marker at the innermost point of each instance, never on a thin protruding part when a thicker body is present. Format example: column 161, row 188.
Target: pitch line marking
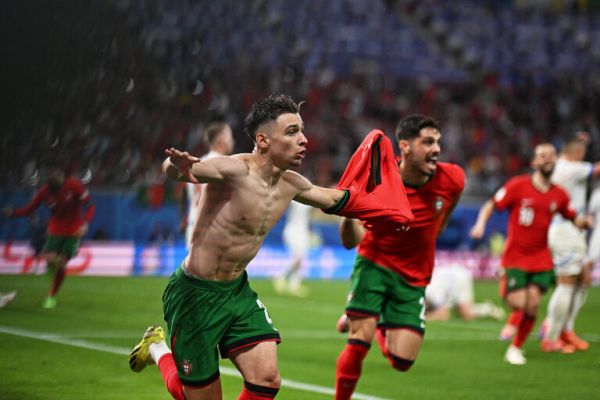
column 84, row 344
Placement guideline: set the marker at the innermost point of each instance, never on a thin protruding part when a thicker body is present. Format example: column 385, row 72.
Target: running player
column 569, row 248
column 296, row 236
column 208, row 303
column 66, row 198
column 393, row 267
column 532, row 200
column 219, row 139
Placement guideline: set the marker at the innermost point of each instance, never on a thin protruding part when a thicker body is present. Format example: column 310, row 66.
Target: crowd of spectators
column 169, row 68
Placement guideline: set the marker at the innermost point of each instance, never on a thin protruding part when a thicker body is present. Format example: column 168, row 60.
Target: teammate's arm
column 485, row 212
column 351, row 232
column 28, row 209
column 596, row 169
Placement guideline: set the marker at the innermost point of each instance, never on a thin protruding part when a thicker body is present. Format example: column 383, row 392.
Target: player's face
column 421, row 153
column 287, row 143
column 544, row 159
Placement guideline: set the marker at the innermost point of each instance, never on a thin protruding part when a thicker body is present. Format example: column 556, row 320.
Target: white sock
column 157, row 350
column 579, row 298
column 558, row 310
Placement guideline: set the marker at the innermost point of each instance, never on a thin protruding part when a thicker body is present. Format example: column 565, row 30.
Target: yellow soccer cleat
column 140, row 357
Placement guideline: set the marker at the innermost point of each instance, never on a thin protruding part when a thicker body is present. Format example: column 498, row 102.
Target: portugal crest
column 187, row 367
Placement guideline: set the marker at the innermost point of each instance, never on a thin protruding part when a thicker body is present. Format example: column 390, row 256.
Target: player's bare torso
column 234, row 217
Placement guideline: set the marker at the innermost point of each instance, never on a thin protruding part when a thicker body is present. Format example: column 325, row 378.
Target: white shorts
column 569, row 248
column 450, row 285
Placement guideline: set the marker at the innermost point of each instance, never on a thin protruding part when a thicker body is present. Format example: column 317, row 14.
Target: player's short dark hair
column 268, row 109
column 410, row 126
column 212, row 131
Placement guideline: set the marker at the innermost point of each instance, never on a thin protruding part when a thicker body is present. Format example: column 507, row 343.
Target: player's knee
column 268, row 377
column 400, row 364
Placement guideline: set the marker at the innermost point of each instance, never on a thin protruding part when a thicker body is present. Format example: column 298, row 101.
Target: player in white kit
column 569, row 250
column 594, row 210
column 452, row 287
column 296, row 237
column 219, row 139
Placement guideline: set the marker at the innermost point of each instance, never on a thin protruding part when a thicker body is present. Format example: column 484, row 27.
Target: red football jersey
column 66, row 206
column 411, row 253
column 530, row 215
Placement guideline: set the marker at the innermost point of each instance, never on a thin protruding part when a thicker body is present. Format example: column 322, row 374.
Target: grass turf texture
column 79, row 350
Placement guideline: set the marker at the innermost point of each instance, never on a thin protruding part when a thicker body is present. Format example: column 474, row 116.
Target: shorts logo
column 512, row 282
column 187, row 367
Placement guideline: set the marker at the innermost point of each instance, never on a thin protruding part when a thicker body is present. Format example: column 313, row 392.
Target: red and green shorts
column 515, row 279
column 207, row 317
column 67, row 246
column 376, row 291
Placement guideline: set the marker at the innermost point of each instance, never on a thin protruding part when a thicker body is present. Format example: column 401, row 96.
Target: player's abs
column 221, row 256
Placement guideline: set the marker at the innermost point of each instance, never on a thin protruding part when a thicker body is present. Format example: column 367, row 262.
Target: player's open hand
column 183, row 161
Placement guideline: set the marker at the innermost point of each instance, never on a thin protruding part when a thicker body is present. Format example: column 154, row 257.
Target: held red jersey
column 411, row 253
column 66, row 207
column 530, row 215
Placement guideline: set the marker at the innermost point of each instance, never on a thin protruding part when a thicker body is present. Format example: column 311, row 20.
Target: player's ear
column 404, row 146
column 262, row 140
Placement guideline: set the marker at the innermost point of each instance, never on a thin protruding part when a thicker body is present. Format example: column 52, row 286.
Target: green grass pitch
column 79, row 350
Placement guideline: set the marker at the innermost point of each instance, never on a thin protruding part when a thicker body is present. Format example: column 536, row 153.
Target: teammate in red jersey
column 532, row 200
column 66, row 198
column 393, row 267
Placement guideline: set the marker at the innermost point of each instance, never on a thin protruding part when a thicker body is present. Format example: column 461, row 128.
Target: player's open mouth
column 431, row 161
column 301, row 154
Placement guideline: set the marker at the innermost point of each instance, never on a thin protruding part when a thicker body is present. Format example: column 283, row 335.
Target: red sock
column 59, row 277
column 256, row 392
column 168, row 370
column 380, row 337
column 515, row 317
column 523, row 330
column 349, row 365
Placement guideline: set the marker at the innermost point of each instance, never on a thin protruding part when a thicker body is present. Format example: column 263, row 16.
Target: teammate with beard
column 532, row 201
column 393, row 267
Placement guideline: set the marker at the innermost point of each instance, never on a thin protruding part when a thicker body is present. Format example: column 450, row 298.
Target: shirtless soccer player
column 532, row 201
column 393, row 267
column 208, row 303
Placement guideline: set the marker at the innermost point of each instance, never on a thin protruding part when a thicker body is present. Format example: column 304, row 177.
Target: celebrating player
column 66, row 198
column 208, row 303
column 393, row 267
column 532, row 200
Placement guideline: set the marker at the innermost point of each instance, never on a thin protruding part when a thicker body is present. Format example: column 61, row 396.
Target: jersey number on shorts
column 262, row 307
column 526, row 215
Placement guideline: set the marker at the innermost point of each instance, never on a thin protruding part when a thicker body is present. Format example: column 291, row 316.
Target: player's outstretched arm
column 181, row 166
column 485, row 212
column 312, row 195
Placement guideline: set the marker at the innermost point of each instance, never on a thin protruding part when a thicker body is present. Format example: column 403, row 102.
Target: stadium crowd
column 166, row 69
